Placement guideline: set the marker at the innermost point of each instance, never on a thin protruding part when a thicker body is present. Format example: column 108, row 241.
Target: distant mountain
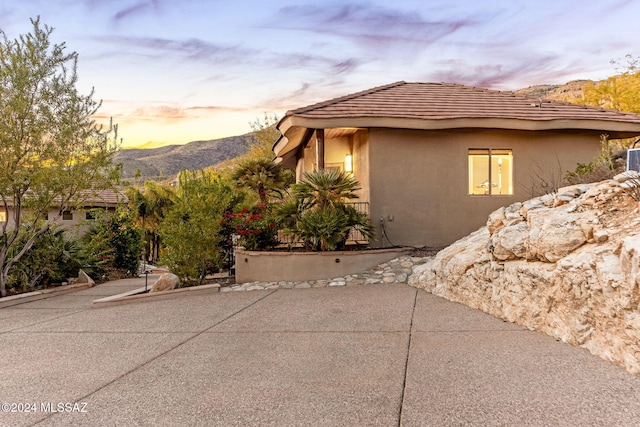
column 169, row 160
column 565, row 92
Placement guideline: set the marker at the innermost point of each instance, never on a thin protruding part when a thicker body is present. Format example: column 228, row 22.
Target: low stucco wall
column 262, row 266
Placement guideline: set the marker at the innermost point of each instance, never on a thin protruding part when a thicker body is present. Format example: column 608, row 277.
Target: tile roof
column 442, row 101
column 103, row 198
column 445, row 106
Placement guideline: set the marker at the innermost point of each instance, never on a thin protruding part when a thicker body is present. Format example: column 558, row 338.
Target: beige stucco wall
column 260, row 266
column 419, row 179
column 75, row 227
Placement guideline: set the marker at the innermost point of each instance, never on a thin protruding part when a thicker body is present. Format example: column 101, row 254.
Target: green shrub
column 113, row 243
column 323, row 229
column 192, row 229
column 52, row 259
column 606, row 164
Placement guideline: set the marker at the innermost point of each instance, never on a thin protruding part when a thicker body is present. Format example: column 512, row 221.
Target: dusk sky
column 174, row 71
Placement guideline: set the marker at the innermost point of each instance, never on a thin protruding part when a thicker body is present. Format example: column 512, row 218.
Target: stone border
column 136, row 295
column 396, row 270
column 42, row 294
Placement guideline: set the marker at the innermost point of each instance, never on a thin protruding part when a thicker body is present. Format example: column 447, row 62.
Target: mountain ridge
column 169, row 160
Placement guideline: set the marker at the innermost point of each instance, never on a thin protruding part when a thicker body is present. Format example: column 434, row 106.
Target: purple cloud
column 369, row 25
column 193, row 48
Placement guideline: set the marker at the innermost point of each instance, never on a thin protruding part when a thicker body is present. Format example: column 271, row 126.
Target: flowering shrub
column 256, row 227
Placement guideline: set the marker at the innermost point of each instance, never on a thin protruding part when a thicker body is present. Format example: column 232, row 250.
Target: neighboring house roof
column 432, row 106
column 98, row 198
column 104, row 198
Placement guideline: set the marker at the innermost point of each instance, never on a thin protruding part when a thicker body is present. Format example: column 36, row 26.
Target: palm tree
column 326, row 188
column 317, row 212
column 262, row 176
column 150, row 206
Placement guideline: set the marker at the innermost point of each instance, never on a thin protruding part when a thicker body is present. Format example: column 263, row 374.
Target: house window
column 67, row 215
column 89, row 216
column 3, row 216
column 490, row 171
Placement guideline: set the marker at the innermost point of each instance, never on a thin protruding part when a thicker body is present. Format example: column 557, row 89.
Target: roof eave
column 460, row 123
column 293, row 127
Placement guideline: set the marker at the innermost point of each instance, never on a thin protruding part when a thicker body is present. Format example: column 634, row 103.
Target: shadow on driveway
column 356, row 355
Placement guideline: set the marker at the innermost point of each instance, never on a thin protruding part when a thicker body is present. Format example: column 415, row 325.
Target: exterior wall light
column 348, row 163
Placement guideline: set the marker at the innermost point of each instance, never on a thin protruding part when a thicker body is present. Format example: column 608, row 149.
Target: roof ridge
column 538, row 99
column 509, row 93
column 345, row 98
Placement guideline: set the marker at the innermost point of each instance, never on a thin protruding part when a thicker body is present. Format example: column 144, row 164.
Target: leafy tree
column 192, row 228
column 621, row 92
column 266, row 135
column 317, row 212
column 52, row 154
column 113, row 243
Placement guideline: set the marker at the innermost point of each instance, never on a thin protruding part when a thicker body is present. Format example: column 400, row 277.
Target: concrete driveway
column 383, row 355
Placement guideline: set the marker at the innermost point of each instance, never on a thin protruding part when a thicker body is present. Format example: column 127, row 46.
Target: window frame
column 490, row 154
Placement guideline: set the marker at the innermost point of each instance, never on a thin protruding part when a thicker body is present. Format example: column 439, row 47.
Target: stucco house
column 75, row 222
column 435, row 159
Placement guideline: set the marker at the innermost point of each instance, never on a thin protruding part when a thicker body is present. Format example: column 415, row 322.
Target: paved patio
column 356, row 355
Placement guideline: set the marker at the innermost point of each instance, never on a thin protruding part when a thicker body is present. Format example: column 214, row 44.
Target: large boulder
column 166, row 282
column 566, row 264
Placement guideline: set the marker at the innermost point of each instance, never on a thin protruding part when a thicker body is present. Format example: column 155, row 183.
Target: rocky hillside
column 170, row 160
column 567, row 92
column 566, row 264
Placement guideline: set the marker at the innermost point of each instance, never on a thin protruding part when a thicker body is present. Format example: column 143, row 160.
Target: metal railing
column 355, row 236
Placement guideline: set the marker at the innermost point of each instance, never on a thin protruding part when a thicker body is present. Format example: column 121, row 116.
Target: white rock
column 624, row 176
column 165, row 282
column 572, row 271
column 402, row 277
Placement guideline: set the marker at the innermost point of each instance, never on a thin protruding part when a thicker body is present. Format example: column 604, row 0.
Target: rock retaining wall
column 566, row 264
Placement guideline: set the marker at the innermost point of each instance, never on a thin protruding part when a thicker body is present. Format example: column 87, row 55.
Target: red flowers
column 256, row 228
